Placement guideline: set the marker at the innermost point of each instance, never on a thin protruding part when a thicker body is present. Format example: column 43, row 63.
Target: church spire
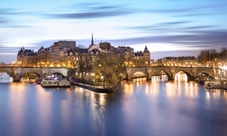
column 145, row 49
column 92, row 40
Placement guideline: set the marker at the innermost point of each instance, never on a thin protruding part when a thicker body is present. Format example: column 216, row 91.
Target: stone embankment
column 98, row 89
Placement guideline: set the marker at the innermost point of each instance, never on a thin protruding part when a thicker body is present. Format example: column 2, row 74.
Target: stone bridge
column 191, row 72
column 18, row 72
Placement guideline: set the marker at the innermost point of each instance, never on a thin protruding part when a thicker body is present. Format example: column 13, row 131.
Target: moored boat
column 49, row 83
column 5, row 78
column 55, row 82
column 212, row 84
column 64, row 83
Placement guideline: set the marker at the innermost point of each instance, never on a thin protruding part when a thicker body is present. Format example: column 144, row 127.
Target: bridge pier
column 16, row 80
column 129, row 77
column 191, row 78
column 171, row 77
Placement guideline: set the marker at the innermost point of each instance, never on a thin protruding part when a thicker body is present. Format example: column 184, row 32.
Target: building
column 142, row 58
column 61, row 53
column 26, row 57
column 67, row 54
column 183, row 61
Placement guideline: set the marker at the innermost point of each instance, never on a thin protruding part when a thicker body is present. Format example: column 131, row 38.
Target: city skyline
column 166, row 27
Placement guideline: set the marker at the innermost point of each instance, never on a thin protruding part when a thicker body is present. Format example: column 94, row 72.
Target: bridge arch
column 8, row 72
column 189, row 74
column 140, row 74
column 57, row 74
column 29, row 74
column 207, row 71
column 130, row 71
column 204, row 75
column 161, row 71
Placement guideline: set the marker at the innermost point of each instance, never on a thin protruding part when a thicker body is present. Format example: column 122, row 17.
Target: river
column 136, row 108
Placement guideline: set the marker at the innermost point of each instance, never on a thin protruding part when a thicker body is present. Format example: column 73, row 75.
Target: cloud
column 4, row 20
column 200, row 27
column 192, row 11
column 170, row 11
column 200, row 39
column 174, row 23
column 183, row 27
column 9, row 18
column 4, row 11
column 93, row 10
column 88, row 15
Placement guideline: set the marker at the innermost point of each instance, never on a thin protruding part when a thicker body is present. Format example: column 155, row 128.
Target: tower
column 145, row 49
column 92, row 40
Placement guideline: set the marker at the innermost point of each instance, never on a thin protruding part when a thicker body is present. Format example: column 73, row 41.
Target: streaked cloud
column 93, row 11
column 175, row 24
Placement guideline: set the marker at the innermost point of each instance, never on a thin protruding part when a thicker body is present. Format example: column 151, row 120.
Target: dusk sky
column 167, row 27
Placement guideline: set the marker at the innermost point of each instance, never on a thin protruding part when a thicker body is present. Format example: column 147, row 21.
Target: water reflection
column 17, row 108
column 97, row 104
column 138, row 107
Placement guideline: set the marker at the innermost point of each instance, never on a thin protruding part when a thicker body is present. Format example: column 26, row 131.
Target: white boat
column 5, row 78
column 49, row 83
column 64, row 82
column 55, row 82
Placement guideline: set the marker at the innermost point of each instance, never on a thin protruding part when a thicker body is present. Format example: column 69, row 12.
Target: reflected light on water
column 102, row 99
column 44, row 109
column 17, row 108
column 154, row 107
column 216, row 94
column 181, row 76
column 191, row 89
column 129, row 87
column 98, row 102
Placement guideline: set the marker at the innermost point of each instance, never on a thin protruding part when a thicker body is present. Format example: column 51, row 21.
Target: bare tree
column 109, row 65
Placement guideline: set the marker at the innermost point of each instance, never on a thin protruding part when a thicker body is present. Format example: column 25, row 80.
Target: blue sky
column 167, row 27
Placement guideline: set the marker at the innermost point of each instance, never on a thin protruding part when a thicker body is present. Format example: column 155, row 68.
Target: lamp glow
column 224, row 67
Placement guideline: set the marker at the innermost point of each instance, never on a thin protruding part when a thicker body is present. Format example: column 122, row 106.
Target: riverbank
column 98, row 89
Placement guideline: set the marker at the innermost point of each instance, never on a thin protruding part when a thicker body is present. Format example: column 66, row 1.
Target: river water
column 136, row 108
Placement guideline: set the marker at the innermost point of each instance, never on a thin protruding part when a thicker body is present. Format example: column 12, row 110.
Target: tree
column 109, row 65
column 208, row 56
column 203, row 56
column 223, row 54
column 84, row 61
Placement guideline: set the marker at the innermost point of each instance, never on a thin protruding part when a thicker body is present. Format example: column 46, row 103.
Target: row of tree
column 211, row 55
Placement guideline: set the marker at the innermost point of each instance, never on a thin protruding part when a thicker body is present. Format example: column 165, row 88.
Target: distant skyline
column 167, row 27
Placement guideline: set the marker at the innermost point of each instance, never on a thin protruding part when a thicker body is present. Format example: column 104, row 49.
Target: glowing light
column 224, row 67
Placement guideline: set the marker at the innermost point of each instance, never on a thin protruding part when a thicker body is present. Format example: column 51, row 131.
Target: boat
column 49, row 83
column 64, row 83
column 38, row 80
column 55, row 82
column 212, row 84
column 223, row 84
column 5, row 78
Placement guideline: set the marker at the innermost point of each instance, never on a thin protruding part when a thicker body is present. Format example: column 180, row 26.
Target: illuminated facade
column 139, row 58
column 183, row 61
column 59, row 54
column 66, row 54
